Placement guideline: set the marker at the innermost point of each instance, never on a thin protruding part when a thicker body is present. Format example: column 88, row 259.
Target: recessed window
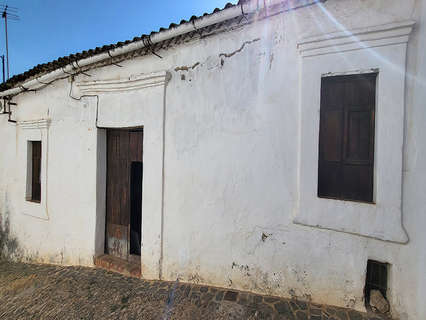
column 346, row 139
column 35, row 171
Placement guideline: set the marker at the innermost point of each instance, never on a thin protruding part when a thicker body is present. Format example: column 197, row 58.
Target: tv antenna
column 10, row 13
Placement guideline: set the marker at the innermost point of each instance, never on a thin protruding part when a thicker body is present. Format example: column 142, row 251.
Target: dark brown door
column 124, row 191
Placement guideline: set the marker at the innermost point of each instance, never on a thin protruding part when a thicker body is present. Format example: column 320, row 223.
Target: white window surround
column 33, row 130
column 379, row 49
column 135, row 101
column 132, row 83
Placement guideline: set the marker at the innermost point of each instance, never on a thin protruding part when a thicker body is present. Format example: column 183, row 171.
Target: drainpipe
column 242, row 9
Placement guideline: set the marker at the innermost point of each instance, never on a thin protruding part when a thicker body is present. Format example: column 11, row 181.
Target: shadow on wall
column 9, row 246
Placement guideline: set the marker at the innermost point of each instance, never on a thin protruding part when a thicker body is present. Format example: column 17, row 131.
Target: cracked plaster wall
column 230, row 166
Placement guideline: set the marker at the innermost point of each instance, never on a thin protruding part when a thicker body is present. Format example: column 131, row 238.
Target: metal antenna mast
column 10, row 13
column 2, row 63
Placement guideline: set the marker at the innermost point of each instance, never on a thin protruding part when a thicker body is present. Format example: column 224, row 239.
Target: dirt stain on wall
column 9, row 245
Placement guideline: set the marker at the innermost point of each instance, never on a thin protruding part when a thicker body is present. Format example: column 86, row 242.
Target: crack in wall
column 221, row 55
column 228, row 55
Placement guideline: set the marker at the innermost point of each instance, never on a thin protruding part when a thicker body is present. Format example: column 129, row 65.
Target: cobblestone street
column 53, row 292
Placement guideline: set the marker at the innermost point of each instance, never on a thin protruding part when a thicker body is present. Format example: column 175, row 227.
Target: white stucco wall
column 230, row 131
column 62, row 231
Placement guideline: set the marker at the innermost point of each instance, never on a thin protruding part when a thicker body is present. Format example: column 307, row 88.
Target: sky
column 49, row 29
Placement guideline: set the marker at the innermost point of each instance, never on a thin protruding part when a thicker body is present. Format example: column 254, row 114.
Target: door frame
column 131, row 258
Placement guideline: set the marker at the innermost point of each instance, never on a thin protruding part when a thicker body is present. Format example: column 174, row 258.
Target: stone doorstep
column 124, row 267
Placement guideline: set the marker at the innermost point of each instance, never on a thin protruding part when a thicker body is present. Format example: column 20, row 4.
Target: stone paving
column 29, row 291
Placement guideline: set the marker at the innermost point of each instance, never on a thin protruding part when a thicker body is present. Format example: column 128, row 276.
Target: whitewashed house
column 270, row 146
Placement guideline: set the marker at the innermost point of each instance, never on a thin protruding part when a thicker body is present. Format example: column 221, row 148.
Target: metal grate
column 376, row 279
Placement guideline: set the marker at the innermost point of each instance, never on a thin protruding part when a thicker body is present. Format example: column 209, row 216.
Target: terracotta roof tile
column 63, row 61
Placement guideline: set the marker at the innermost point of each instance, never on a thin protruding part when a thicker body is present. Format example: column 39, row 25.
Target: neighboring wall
column 231, row 162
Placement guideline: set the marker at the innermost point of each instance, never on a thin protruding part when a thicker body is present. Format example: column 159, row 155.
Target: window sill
column 34, row 201
column 380, row 221
column 347, row 200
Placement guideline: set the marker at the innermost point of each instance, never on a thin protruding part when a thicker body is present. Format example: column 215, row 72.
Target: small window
column 35, row 171
column 346, row 139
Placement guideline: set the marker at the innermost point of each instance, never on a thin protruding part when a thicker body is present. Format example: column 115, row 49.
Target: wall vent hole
column 376, row 279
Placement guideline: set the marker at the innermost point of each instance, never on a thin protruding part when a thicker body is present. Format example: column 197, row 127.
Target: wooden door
column 124, row 149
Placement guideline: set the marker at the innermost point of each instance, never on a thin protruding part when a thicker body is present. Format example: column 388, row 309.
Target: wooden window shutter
column 346, row 143
column 36, row 171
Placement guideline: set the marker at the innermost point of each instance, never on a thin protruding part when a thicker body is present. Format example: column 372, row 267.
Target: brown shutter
column 36, row 170
column 346, row 147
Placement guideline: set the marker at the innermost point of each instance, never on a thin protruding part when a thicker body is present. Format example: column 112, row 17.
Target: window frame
column 32, row 176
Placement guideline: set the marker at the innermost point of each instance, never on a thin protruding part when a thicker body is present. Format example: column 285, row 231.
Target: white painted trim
column 34, row 124
column 350, row 72
column 379, row 49
column 148, row 93
column 134, row 82
column 356, row 39
column 34, row 130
